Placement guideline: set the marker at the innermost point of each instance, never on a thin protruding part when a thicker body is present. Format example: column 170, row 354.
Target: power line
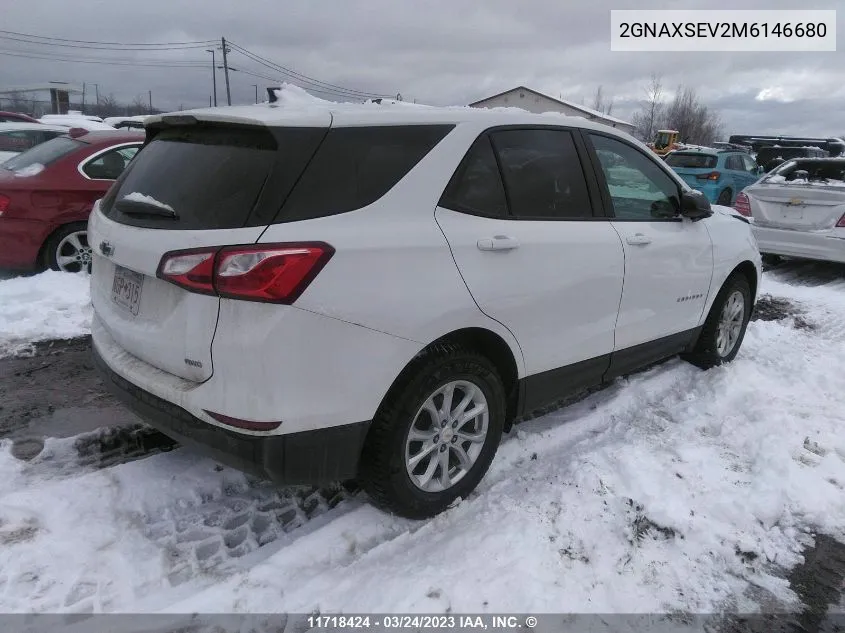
column 121, row 62
column 104, row 48
column 316, row 83
column 60, row 39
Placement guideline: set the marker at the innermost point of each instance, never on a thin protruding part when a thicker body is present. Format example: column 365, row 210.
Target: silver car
column 798, row 209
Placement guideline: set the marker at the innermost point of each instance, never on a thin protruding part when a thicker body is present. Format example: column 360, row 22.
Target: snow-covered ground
column 675, row 490
column 51, row 305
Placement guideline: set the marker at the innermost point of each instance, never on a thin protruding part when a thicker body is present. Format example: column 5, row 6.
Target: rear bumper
column 307, row 457
column 825, row 246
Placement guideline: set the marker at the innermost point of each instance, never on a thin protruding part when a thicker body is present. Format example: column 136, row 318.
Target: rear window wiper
column 137, row 207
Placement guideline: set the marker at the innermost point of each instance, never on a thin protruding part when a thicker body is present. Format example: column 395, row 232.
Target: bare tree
column 646, row 119
column 601, row 103
column 108, row 106
column 695, row 122
column 19, row 102
column 137, row 106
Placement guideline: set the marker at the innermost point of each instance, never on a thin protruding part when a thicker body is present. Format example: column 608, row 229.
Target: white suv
column 377, row 292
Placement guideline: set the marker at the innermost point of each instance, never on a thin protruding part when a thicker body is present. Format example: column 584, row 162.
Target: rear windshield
column 809, row 172
column 222, row 177
column 211, row 176
column 691, row 161
column 43, row 154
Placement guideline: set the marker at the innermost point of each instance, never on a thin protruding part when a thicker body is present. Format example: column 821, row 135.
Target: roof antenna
column 271, row 93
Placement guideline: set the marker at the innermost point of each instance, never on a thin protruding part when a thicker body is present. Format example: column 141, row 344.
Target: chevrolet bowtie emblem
column 106, row 249
column 796, row 201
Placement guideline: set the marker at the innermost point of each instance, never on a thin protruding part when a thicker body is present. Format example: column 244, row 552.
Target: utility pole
column 213, row 76
column 226, row 70
column 151, row 101
column 83, row 97
column 256, row 92
column 97, row 88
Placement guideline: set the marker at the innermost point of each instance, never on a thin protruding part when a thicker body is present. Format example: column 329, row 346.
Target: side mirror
column 695, row 205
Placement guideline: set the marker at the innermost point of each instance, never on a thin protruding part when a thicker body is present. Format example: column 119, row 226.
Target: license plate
column 126, row 289
column 792, row 214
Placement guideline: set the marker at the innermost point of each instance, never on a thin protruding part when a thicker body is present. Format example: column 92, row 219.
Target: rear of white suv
column 319, row 295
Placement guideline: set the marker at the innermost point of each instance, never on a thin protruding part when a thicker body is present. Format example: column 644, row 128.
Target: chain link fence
column 107, row 107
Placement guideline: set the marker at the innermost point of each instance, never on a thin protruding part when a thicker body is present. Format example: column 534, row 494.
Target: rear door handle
column 498, row 243
column 639, row 239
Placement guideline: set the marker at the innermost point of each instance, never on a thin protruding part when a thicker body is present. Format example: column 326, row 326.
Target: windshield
column 691, row 161
column 809, row 172
column 43, row 154
column 662, row 139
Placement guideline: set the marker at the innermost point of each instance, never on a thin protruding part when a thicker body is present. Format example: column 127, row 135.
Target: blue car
column 718, row 174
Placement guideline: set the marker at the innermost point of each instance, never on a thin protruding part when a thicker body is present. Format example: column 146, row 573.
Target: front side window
column 543, row 175
column 110, row 165
column 639, row 189
column 476, row 187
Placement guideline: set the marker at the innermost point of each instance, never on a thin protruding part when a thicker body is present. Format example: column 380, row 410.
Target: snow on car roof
column 69, row 121
column 295, row 107
column 20, row 126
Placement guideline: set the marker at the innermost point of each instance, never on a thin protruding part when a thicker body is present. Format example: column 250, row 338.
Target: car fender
column 733, row 243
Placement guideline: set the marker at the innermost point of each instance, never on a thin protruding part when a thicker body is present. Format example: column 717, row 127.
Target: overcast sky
column 434, row 51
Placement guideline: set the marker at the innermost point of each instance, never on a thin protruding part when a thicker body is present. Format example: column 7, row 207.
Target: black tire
column 383, row 473
column 55, row 243
column 705, row 354
column 724, row 198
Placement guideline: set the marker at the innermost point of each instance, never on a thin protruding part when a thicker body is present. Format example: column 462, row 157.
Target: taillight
column 273, row 273
column 192, row 270
column 4, row 203
column 713, row 175
column 841, row 223
column 742, row 204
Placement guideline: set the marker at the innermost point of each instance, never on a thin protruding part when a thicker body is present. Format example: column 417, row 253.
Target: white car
column 76, row 121
column 17, row 137
column 798, row 209
column 377, row 292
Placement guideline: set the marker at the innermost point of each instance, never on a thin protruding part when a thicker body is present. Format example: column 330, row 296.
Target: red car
column 47, row 192
column 16, row 117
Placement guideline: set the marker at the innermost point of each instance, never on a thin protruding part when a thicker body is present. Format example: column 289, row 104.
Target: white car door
column 668, row 258
column 519, row 218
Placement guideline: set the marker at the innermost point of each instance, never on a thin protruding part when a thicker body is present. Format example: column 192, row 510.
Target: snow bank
column 50, row 305
column 675, row 490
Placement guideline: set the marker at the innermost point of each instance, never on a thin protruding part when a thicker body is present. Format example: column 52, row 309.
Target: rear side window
column 355, row 166
column 543, row 174
column 691, row 161
column 211, row 176
column 476, row 187
column 44, row 154
column 734, row 162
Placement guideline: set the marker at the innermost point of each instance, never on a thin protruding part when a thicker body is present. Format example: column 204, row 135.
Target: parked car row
column 47, row 193
column 796, row 208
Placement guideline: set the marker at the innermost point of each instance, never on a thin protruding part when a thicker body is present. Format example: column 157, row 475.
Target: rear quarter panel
column 392, row 270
